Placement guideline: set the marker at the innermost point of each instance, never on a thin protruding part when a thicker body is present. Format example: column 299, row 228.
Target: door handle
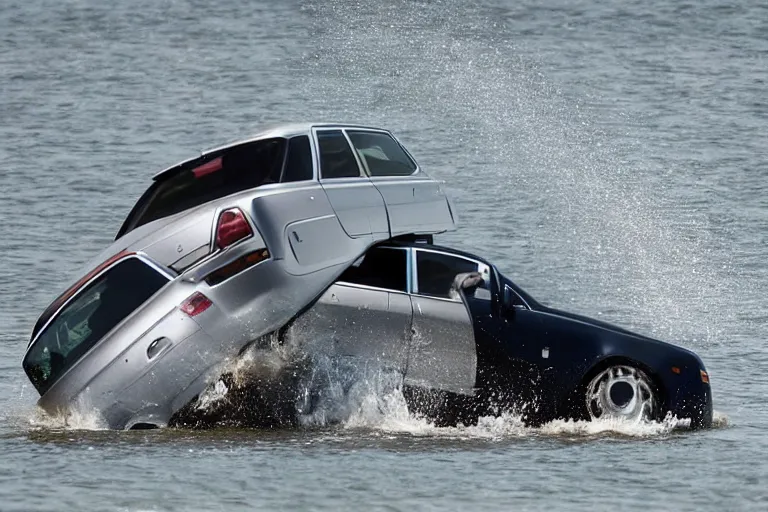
column 157, row 346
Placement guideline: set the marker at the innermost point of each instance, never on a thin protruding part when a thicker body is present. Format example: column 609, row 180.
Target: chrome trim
column 409, row 268
column 415, row 264
column 361, row 164
column 454, row 301
column 143, row 257
column 367, row 287
column 315, row 152
column 138, row 255
column 436, row 251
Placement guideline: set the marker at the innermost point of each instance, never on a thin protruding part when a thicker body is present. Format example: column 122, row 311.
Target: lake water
column 612, row 158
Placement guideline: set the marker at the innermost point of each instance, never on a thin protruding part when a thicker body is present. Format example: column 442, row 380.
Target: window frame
column 389, row 290
column 364, row 165
column 316, row 143
column 96, row 275
column 524, row 306
column 312, row 157
column 414, row 278
column 364, row 173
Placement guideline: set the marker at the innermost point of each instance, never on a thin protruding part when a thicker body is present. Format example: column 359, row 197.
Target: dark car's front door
column 513, row 355
column 442, row 352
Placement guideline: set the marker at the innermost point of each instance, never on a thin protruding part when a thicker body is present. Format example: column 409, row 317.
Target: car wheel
column 622, row 392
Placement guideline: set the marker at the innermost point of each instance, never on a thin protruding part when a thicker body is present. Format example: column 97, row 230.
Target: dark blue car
column 465, row 341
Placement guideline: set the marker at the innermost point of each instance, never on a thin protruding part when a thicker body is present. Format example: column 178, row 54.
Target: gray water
column 610, row 157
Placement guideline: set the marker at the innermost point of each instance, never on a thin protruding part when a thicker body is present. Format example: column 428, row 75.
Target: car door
column 356, row 201
column 442, row 353
column 366, row 314
column 415, row 202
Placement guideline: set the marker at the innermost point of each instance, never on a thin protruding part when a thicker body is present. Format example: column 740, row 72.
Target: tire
column 622, row 392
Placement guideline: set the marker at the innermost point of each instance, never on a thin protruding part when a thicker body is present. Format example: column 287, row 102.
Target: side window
column 298, row 166
column 437, row 271
column 336, row 157
column 380, row 267
column 381, row 154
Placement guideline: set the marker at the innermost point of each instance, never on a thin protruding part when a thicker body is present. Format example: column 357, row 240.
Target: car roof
column 283, row 130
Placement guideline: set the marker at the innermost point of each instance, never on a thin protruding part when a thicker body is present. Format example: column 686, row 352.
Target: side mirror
column 508, row 301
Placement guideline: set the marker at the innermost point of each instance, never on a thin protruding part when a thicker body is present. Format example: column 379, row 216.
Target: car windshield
column 91, row 314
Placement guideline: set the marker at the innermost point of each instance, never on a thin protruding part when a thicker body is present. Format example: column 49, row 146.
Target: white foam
column 390, row 414
column 79, row 416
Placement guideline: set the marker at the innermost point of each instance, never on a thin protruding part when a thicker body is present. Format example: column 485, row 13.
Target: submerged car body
column 468, row 342
column 221, row 250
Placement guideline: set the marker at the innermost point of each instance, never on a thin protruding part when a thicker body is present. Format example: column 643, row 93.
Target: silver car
column 220, row 251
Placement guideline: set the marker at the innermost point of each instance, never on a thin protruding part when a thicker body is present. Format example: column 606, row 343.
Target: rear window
column 381, row 154
column 91, row 314
column 217, row 175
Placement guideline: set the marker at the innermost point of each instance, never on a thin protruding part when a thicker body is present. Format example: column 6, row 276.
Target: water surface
column 611, row 159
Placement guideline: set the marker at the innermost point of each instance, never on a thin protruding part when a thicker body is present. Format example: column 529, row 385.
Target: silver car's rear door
column 415, row 202
column 442, row 353
column 357, row 203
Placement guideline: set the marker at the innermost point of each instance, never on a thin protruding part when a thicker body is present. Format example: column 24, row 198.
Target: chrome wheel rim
column 621, row 392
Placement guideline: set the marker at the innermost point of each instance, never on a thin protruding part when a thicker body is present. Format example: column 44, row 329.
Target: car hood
column 596, row 323
column 627, row 335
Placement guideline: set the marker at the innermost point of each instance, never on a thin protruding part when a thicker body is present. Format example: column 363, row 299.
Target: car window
column 211, row 177
column 436, row 273
column 298, row 166
column 381, row 154
column 336, row 157
column 380, row 267
column 93, row 312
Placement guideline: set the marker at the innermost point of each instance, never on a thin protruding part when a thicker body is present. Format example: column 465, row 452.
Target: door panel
column 358, row 205
column 368, row 324
column 318, row 243
column 414, row 205
column 442, row 352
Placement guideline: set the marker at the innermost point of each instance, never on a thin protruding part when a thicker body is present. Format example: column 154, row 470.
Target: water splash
column 564, row 167
column 78, row 416
column 363, row 397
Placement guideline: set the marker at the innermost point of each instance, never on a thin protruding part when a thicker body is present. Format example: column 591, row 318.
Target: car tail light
column 232, row 227
column 195, row 304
